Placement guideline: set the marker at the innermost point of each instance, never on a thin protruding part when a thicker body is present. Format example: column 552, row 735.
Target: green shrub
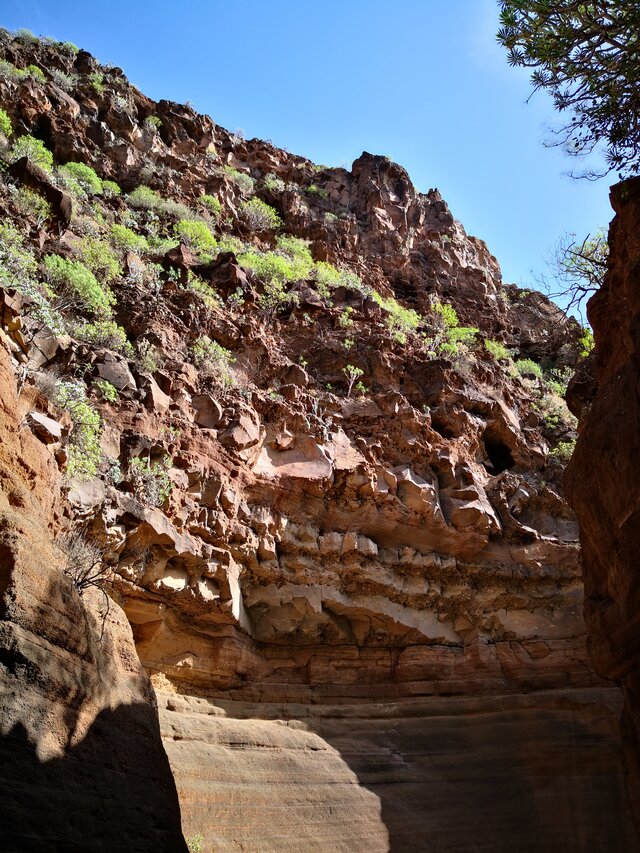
column 66, row 82
column 465, row 335
column 78, row 284
column 110, row 189
column 108, row 391
column 32, row 204
column 194, row 844
column 528, row 367
column 35, row 73
column 244, row 182
column 260, row 216
column 6, row 128
column 401, row 321
column 98, row 256
column 18, row 268
column 213, row 360
column 315, row 190
column 149, row 357
column 196, row 235
column 153, row 123
column 563, row 451
column 83, row 452
column 26, row 36
column 229, row 243
column 326, row 276
column 145, row 198
column 274, row 184
column 34, row 149
column 96, row 81
column 208, row 295
column 83, row 175
column 151, row 482
column 211, row 204
column 497, row 350
column 104, row 333
column 69, row 47
column 297, row 252
column 127, row 240
column 558, row 379
column 586, row 343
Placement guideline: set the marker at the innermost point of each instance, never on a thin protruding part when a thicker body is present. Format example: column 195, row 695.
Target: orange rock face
column 361, row 605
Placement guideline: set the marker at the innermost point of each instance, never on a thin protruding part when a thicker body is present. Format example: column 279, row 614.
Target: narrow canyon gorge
column 287, row 564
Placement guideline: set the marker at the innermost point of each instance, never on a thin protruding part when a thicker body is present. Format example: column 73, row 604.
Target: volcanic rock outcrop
column 319, row 446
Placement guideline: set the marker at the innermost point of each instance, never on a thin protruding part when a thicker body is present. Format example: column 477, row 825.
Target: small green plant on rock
column 18, row 268
column 33, row 205
column 96, row 81
column 110, row 189
column 528, row 367
column 563, row 451
column 151, row 482
column 346, row 317
column 497, row 350
column 213, row 360
column 194, row 844
column 83, row 451
column 353, row 374
column 108, row 391
column 98, row 256
column 149, row 356
column 153, row 123
column 144, row 198
column 244, row 182
column 211, row 204
column 273, row 184
column 6, row 128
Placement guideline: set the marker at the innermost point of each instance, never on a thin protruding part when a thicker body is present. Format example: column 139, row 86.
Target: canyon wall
column 360, row 605
column 602, row 478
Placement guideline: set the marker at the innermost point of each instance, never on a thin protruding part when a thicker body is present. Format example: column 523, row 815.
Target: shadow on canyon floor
column 111, row 793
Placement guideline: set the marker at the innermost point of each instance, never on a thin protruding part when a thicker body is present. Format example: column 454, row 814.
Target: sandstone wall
column 537, row 773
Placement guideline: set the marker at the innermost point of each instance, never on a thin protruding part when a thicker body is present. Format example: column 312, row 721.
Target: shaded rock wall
column 81, row 761
column 603, row 478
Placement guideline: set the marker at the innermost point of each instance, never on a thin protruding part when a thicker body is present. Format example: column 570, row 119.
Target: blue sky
column 422, row 81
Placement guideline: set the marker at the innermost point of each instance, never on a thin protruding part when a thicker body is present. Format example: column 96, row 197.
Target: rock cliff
column 318, row 447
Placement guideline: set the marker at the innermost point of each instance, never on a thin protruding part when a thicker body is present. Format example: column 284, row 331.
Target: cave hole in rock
column 498, row 455
column 405, row 289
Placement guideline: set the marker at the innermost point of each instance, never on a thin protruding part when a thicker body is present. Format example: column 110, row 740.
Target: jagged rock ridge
column 407, row 541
